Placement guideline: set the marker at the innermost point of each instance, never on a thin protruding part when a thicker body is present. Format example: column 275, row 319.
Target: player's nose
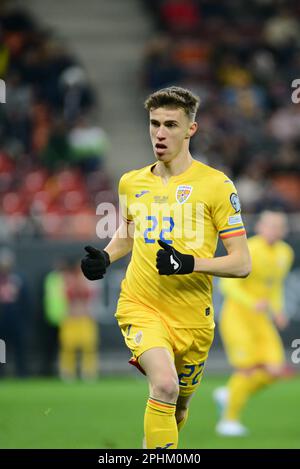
column 160, row 134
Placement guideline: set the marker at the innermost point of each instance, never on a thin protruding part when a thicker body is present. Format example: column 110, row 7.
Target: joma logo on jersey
column 183, row 193
column 140, row 194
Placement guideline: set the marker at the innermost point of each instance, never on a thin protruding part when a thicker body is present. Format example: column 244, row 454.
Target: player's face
column 273, row 227
column 170, row 131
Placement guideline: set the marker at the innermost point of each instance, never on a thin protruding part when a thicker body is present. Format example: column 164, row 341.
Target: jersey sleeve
column 226, row 210
column 123, row 199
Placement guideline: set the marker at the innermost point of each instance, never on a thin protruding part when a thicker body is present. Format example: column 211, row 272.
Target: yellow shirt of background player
column 270, row 266
column 190, row 212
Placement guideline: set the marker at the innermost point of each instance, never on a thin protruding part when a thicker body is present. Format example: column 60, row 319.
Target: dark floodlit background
column 76, row 76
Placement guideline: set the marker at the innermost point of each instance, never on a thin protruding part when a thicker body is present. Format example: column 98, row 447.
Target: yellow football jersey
column 270, row 265
column 189, row 213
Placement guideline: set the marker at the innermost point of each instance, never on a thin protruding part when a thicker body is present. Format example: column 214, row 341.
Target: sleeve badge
column 235, row 202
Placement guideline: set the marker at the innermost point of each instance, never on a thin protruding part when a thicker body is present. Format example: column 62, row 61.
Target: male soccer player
column 174, row 211
column 251, row 341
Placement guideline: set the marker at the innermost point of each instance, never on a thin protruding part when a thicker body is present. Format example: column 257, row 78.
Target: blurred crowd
column 52, row 152
column 241, row 58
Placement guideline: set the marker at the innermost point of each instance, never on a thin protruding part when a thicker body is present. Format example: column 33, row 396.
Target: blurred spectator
column 284, row 124
column 41, row 127
column 283, row 28
column 17, row 108
column 57, row 153
column 14, row 314
column 160, row 68
column 88, row 144
column 250, row 186
column 76, row 94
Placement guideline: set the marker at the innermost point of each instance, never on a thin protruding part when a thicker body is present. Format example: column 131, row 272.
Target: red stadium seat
column 73, row 201
column 69, row 180
column 14, row 203
column 35, row 180
column 41, row 201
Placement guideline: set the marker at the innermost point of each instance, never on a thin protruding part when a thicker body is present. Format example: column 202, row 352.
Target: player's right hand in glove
column 95, row 263
column 169, row 261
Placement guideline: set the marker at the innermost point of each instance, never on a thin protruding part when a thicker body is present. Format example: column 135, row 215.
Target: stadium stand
column 241, row 59
column 51, row 149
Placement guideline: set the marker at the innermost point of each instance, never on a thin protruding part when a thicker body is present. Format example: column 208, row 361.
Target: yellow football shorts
column 250, row 338
column 189, row 348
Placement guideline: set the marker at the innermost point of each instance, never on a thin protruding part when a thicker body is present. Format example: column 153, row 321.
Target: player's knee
column 166, row 389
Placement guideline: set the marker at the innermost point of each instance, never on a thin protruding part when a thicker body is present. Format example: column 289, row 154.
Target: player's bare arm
column 237, row 262
column 122, row 241
column 96, row 262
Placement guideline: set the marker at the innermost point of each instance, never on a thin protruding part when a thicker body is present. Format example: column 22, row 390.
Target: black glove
column 94, row 265
column 170, row 261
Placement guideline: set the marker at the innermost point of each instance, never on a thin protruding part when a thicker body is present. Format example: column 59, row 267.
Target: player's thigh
column 144, row 331
column 158, row 364
column 149, row 340
column 270, row 350
column 191, row 357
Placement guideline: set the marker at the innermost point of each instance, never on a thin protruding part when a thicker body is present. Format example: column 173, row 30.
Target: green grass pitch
column 109, row 414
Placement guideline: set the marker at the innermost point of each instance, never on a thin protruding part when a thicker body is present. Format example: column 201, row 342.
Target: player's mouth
column 160, row 148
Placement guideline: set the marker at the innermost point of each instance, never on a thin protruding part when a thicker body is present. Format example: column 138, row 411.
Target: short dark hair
column 174, row 97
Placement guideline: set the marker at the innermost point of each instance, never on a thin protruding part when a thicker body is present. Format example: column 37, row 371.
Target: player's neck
column 175, row 167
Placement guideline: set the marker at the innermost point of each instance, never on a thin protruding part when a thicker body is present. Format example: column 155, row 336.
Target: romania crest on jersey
column 183, row 193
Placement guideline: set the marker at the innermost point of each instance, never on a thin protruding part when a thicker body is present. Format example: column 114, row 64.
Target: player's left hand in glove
column 169, row 261
column 95, row 263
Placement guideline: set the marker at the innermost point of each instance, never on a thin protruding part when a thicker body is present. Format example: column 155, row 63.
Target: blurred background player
column 252, row 306
column 69, row 301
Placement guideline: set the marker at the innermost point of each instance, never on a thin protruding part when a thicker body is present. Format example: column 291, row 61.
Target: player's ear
column 192, row 130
